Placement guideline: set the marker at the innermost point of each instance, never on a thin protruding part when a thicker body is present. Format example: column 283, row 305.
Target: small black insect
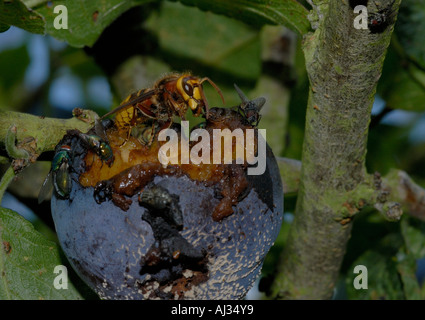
column 250, row 109
column 379, row 21
column 162, row 203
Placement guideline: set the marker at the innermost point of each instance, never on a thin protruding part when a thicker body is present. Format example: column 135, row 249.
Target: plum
column 138, row 229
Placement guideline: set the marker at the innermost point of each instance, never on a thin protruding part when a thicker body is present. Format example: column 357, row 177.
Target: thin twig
column 6, row 180
column 405, row 191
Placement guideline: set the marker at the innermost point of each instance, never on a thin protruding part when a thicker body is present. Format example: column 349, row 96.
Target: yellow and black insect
column 171, row 96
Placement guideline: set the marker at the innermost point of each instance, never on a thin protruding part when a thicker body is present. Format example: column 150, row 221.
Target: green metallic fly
column 58, row 176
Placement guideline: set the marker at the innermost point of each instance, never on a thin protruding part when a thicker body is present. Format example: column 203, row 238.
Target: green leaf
column 410, row 29
column 27, row 262
column 13, row 65
column 383, row 278
column 208, row 39
column 402, row 88
column 413, row 232
column 85, row 19
column 14, row 12
column 377, row 158
column 407, row 268
column 289, row 13
column 4, row 27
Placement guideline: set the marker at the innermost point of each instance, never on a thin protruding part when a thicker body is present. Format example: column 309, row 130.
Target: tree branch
column 45, row 133
column 389, row 194
column 25, row 137
column 344, row 65
column 404, row 190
